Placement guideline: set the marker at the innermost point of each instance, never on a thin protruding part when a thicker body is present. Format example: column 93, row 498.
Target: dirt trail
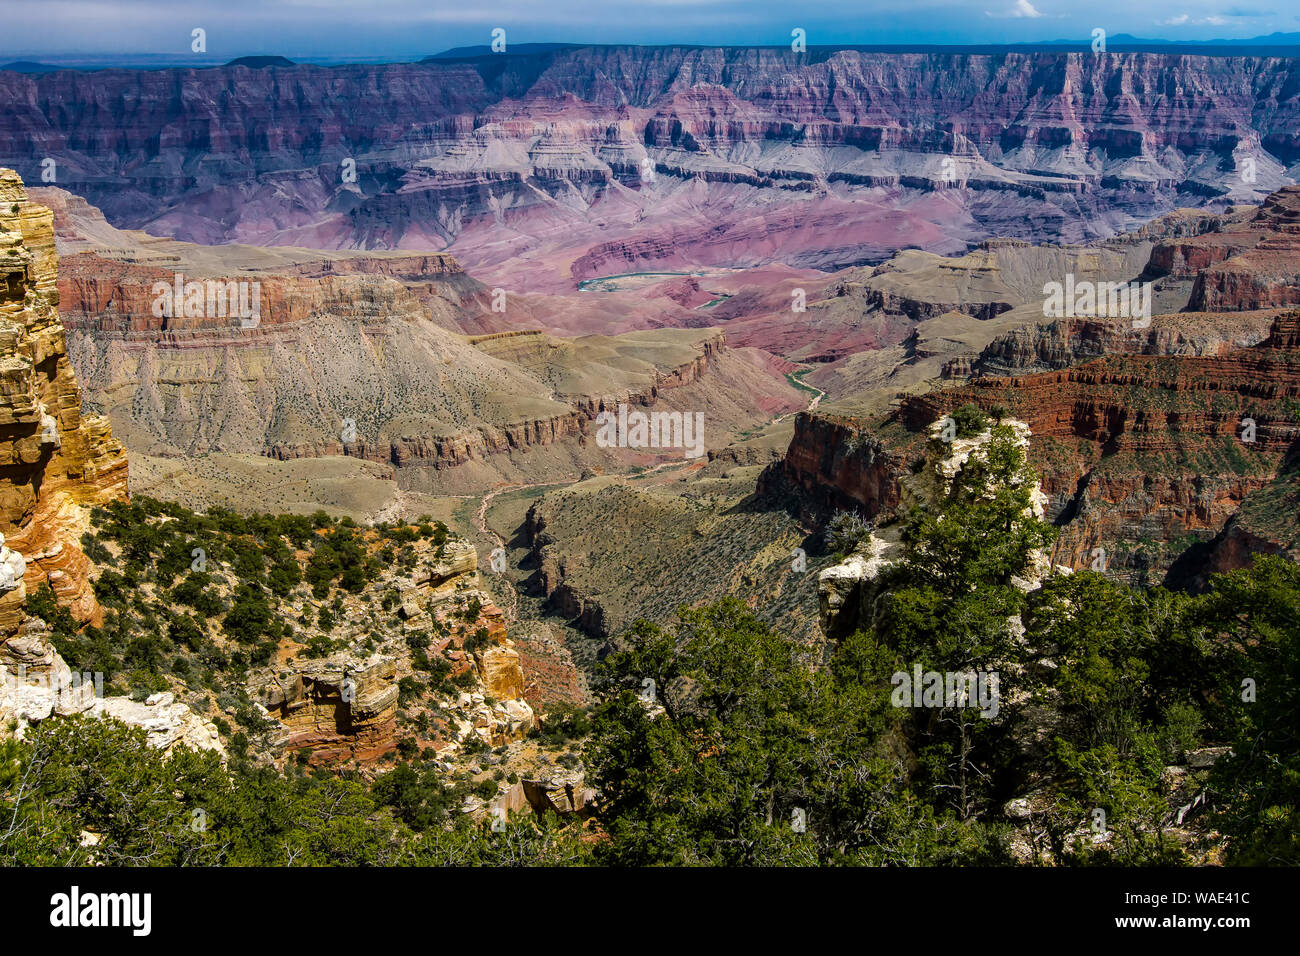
column 480, row 518
column 510, row 599
column 812, row 404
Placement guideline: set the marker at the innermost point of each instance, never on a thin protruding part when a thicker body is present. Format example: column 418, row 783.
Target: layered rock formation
column 615, row 159
column 1254, row 265
column 1065, row 342
column 1151, row 435
column 343, row 709
column 836, row 466
column 347, row 354
column 1141, row 456
column 919, row 306
column 36, row 684
column 1141, row 453
column 55, row 463
column 338, row 710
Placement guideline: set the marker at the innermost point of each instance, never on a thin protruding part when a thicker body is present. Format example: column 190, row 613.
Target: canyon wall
column 55, row 462
column 1256, row 265
column 1144, row 453
column 835, row 465
column 55, row 465
column 1141, row 456
column 1062, row 343
column 357, row 354
column 1166, row 446
column 853, row 154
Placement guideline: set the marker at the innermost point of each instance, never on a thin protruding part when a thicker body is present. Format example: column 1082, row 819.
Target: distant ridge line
column 1276, row 44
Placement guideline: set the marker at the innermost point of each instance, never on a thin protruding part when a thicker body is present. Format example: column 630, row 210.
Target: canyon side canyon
column 461, row 264
column 540, row 169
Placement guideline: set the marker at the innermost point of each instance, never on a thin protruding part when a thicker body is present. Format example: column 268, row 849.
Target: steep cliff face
column 1162, row 443
column 1141, row 456
column 837, row 466
column 821, row 159
column 55, row 463
column 1256, row 265
column 848, row 590
column 1268, row 522
column 1065, row 342
column 553, row 571
column 342, row 710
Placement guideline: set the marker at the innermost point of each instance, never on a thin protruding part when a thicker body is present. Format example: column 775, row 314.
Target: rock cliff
column 1066, row 342
column 1142, row 456
column 344, row 708
column 825, row 159
column 847, row 591
column 1151, row 437
column 55, row 465
column 357, row 354
column 55, row 462
column 1255, row 265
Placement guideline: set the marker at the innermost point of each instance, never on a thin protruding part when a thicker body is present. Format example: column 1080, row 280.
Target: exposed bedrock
column 604, row 156
column 1142, row 456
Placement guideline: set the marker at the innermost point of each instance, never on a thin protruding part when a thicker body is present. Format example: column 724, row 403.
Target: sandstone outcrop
column 344, row 709
column 55, row 462
column 36, row 684
column 166, row 722
column 1255, row 264
column 836, row 466
column 560, row 791
column 338, row 709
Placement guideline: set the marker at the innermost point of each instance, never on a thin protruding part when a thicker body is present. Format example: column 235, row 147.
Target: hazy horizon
column 405, row 29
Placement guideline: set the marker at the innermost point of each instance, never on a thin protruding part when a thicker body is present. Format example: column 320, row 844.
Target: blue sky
column 403, row 29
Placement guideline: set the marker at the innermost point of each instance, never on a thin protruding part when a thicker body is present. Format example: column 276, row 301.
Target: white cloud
column 1023, row 8
column 1213, row 20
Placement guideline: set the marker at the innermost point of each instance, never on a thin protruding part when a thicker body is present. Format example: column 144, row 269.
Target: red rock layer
column 1256, row 266
column 54, row 462
column 577, row 123
column 1147, row 447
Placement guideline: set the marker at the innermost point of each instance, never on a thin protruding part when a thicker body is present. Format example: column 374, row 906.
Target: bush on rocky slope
column 1126, row 726
column 1119, row 730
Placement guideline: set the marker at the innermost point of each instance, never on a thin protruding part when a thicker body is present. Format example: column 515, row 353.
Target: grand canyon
column 578, row 442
